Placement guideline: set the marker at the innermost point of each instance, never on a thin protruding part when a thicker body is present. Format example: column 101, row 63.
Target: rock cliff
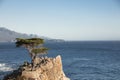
column 44, row 69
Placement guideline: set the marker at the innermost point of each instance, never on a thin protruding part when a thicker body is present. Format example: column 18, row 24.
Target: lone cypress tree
column 33, row 45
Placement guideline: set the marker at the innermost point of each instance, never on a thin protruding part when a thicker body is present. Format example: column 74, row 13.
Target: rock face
column 44, row 69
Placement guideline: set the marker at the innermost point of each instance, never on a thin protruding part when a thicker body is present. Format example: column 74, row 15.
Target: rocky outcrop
column 44, row 69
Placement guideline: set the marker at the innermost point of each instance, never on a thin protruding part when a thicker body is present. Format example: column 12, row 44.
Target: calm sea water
column 81, row 60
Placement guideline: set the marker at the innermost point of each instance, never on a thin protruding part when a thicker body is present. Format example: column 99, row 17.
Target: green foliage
column 32, row 45
column 41, row 50
column 29, row 42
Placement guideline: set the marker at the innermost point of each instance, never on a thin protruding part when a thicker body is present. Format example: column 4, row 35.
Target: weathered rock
column 45, row 69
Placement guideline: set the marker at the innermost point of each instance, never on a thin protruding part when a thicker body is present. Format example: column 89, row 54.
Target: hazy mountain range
column 7, row 35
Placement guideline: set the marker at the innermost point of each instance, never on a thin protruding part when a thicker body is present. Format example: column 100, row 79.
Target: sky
column 63, row 19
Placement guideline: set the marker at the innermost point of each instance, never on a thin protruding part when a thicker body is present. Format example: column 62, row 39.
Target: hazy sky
column 63, row 19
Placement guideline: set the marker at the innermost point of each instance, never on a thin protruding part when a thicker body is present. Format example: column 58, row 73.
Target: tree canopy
column 33, row 42
column 32, row 45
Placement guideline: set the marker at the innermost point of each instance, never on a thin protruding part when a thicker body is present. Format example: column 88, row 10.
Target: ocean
column 82, row 60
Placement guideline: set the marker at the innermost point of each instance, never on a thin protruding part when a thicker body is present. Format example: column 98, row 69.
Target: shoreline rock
column 44, row 69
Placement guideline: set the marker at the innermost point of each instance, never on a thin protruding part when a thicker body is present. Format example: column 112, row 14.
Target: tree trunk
column 32, row 61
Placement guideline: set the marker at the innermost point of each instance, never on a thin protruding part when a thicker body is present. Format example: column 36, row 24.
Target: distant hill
column 7, row 35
